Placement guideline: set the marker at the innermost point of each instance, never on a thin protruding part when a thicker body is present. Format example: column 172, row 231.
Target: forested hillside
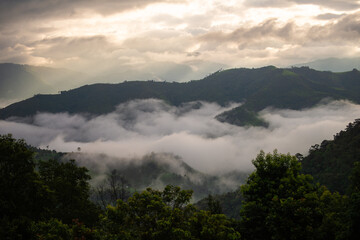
column 46, row 197
column 331, row 162
column 294, row 88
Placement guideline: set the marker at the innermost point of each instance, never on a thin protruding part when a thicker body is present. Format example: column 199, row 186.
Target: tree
column 205, row 225
column 151, row 214
column 354, row 205
column 114, row 187
column 280, row 203
column 23, row 197
column 70, row 191
column 166, row 214
column 213, row 205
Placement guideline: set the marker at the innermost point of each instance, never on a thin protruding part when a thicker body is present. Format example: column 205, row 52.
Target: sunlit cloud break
column 140, row 127
column 175, row 40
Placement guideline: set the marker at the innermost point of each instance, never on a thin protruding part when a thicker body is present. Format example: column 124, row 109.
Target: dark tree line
column 51, row 200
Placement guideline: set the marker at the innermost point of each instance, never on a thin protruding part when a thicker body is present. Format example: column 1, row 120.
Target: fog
column 140, row 127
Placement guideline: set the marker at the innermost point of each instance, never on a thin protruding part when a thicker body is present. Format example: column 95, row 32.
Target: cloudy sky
column 162, row 38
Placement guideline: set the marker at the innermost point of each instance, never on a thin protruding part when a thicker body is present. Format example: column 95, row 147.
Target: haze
column 175, row 40
column 140, row 127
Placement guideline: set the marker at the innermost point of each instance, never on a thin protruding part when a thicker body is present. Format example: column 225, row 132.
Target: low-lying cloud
column 190, row 131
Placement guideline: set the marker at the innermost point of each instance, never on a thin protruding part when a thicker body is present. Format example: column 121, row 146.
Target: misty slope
column 260, row 88
column 24, row 81
column 333, row 64
column 331, row 162
column 156, row 170
column 17, row 82
column 230, row 203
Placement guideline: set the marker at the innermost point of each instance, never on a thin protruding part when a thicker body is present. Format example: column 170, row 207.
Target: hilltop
column 257, row 89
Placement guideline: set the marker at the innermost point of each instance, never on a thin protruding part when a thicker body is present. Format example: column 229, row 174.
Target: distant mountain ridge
column 12, row 76
column 332, row 64
column 293, row 88
column 23, row 81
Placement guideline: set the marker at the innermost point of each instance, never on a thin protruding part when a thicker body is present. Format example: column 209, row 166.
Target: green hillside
column 331, row 162
column 294, row 88
column 156, row 170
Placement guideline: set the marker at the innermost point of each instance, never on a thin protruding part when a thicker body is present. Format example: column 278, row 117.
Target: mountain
column 333, row 64
column 331, row 162
column 24, row 81
column 155, row 170
column 294, row 88
column 16, row 81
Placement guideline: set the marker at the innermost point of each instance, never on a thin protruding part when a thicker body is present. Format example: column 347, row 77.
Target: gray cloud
column 24, row 10
column 247, row 36
column 140, row 127
column 271, row 33
column 328, row 16
column 61, row 48
column 166, row 46
column 334, row 4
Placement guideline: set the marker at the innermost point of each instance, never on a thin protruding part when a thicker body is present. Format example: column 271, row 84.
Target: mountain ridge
column 257, row 89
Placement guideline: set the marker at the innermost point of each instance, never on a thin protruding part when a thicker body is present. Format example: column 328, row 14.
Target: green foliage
column 58, row 190
column 354, row 206
column 151, row 214
column 242, row 117
column 52, row 229
column 165, row 214
column 214, row 206
column 294, row 88
column 331, row 162
column 230, row 203
column 206, row 225
column 280, row 203
column 23, row 197
column 45, row 154
column 335, row 221
column 70, row 191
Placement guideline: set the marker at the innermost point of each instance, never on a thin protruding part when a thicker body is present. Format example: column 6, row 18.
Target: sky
column 175, row 40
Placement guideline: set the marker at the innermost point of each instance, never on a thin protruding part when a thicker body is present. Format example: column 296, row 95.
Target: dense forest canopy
column 331, row 161
column 51, row 199
column 294, row 88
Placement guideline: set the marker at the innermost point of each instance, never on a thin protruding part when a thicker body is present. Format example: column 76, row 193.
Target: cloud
column 345, row 29
column 125, row 39
column 333, row 4
column 246, row 36
column 23, row 10
column 328, row 16
column 274, row 42
column 190, row 131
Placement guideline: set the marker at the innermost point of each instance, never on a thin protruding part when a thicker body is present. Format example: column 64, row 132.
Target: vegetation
column 229, row 203
column 294, row 88
column 51, row 200
column 282, row 203
column 331, row 162
column 153, row 172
